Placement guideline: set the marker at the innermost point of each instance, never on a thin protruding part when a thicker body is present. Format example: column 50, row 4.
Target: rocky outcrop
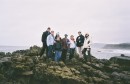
column 122, row 60
column 26, row 67
column 117, row 46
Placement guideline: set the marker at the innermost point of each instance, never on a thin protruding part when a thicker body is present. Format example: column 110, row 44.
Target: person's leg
column 73, row 50
column 62, row 55
column 50, row 50
column 84, row 53
column 59, row 55
column 80, row 52
column 42, row 50
column 89, row 54
column 56, row 56
column 46, row 51
column 64, row 52
column 70, row 51
column 52, row 56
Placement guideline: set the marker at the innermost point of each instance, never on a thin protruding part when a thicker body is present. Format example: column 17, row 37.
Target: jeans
column 71, row 53
column 50, row 51
column 57, row 55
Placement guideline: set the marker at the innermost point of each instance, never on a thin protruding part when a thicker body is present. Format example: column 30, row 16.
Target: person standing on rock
column 86, row 48
column 72, row 47
column 50, row 43
column 44, row 38
column 79, row 43
column 58, row 49
column 65, row 47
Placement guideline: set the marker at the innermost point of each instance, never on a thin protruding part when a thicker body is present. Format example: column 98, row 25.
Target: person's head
column 48, row 29
column 72, row 37
column 57, row 34
column 66, row 35
column 79, row 33
column 86, row 35
column 52, row 32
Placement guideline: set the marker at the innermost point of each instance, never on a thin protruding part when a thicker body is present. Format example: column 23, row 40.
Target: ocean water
column 108, row 53
column 12, row 48
column 98, row 52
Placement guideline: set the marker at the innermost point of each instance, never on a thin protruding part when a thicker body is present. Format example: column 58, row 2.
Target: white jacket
column 50, row 40
column 87, row 42
column 72, row 44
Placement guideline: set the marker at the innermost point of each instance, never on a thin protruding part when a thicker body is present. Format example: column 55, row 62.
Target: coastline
column 26, row 67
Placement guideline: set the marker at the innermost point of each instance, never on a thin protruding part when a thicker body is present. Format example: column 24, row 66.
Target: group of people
column 57, row 48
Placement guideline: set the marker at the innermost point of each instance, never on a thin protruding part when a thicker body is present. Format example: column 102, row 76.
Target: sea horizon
column 97, row 51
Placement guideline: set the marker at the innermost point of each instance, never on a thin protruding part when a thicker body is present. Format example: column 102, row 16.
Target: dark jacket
column 80, row 41
column 65, row 43
column 44, row 36
column 58, row 46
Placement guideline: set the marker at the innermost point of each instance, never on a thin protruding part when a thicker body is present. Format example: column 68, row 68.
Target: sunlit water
column 108, row 53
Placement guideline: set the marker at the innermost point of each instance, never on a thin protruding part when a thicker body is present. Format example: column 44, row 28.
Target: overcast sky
column 23, row 21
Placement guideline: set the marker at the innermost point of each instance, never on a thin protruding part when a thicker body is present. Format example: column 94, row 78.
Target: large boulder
column 122, row 60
